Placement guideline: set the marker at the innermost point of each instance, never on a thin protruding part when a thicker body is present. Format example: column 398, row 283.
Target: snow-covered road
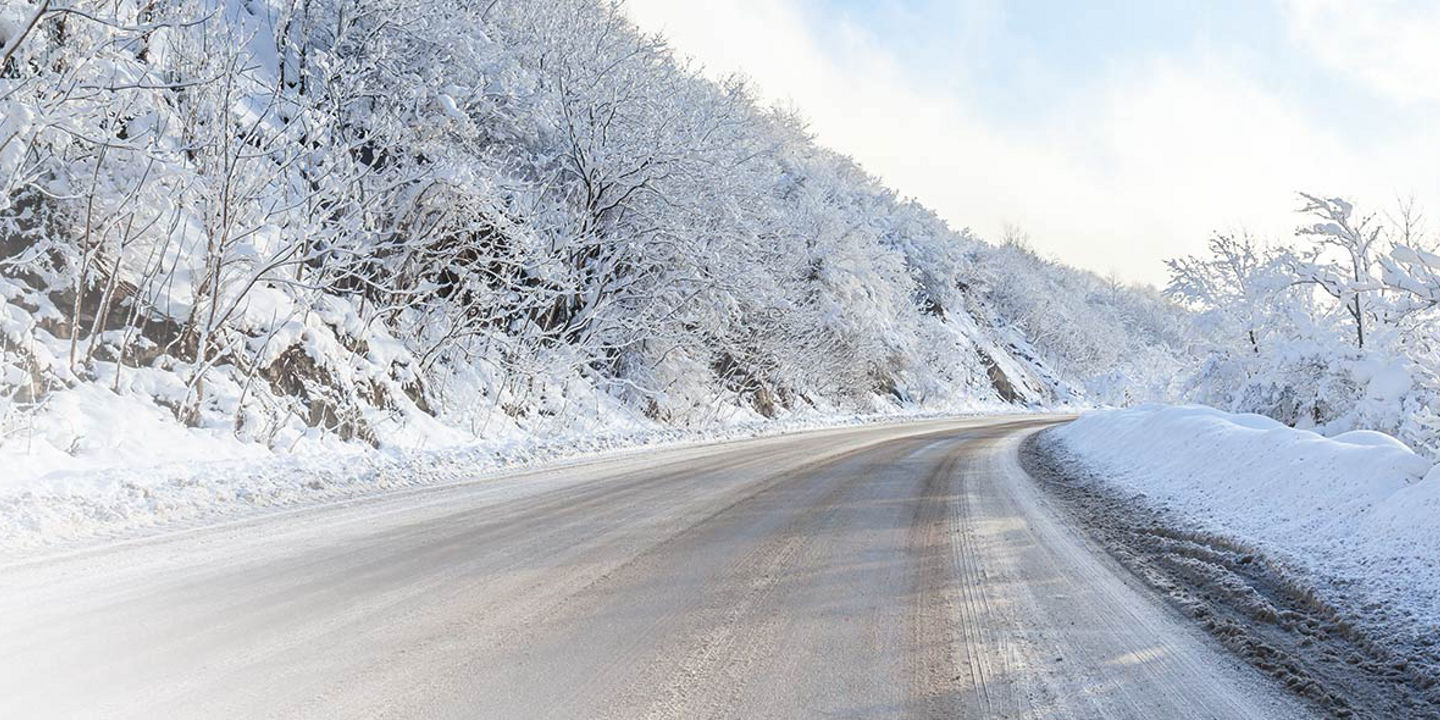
column 887, row 571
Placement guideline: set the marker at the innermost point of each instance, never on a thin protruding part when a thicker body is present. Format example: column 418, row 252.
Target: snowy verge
column 66, row 508
column 1358, row 511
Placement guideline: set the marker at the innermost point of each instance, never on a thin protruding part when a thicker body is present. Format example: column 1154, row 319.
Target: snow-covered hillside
column 1356, row 510
column 236, row 228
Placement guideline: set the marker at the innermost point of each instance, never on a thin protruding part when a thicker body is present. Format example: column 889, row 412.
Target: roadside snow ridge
column 1357, row 510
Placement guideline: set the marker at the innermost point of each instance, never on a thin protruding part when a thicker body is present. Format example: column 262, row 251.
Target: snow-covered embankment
column 1358, row 511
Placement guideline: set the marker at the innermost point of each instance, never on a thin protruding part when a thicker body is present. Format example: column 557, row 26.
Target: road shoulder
column 1254, row 605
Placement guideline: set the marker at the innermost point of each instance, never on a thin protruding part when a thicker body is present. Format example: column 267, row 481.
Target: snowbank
column 1358, row 510
column 89, row 428
column 70, row 501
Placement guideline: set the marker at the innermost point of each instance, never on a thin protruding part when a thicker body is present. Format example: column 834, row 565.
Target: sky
column 1115, row 135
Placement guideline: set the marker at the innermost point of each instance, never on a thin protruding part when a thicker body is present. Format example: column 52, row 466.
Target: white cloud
column 1392, row 46
column 1141, row 170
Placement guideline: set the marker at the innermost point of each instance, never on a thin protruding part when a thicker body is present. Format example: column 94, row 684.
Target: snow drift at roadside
column 1356, row 510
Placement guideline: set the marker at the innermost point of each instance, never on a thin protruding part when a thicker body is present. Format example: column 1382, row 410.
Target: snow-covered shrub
column 1337, row 332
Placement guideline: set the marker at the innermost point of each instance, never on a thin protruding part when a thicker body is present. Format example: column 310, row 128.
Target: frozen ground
column 1327, row 546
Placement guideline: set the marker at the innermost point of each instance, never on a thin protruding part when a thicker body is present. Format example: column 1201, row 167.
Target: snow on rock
column 1357, row 510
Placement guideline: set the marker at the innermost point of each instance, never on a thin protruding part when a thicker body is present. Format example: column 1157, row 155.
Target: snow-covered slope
column 1357, row 510
column 245, row 228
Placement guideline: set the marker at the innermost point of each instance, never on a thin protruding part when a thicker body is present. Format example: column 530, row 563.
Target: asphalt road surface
column 906, row 570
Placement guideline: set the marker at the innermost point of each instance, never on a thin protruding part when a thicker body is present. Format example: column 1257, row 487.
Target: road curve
column 891, row 571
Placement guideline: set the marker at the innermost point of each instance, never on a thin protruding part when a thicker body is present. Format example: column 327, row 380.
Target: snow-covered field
column 1357, row 511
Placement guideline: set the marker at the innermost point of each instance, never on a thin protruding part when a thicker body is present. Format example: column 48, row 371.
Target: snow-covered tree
column 1337, row 332
column 291, row 221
